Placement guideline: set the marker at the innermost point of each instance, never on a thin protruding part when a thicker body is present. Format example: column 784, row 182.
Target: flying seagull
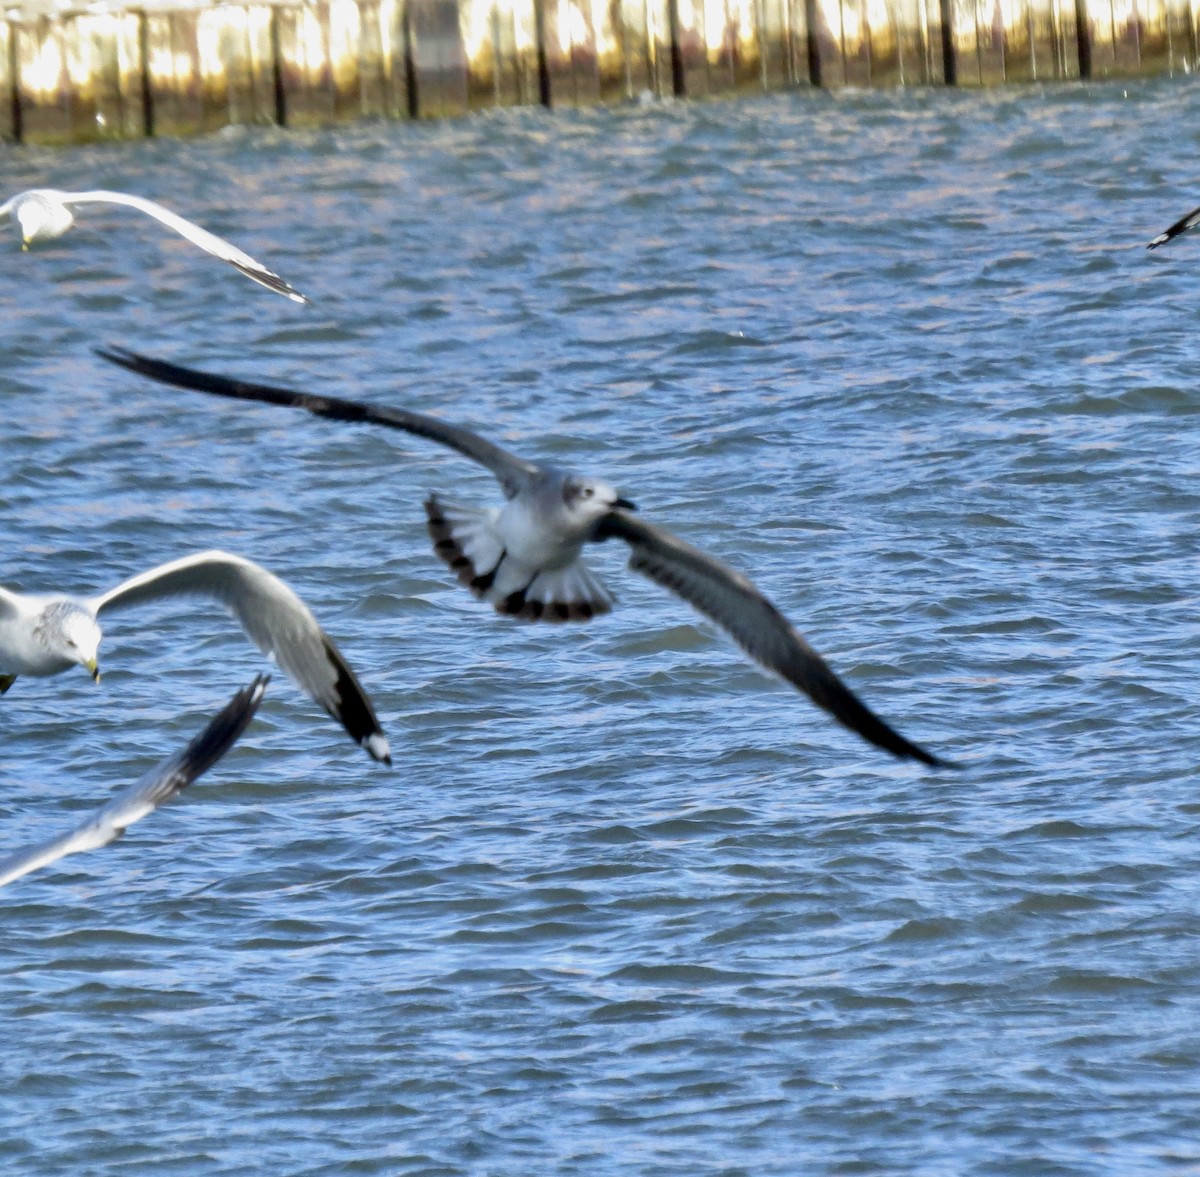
column 44, row 213
column 43, row 635
column 525, row 557
column 1180, row 226
column 158, row 786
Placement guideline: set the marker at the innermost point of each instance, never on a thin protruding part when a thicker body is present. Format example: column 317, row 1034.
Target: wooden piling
column 78, row 78
column 305, row 70
column 501, row 51
column 1041, row 41
column 568, row 37
column 9, row 128
column 208, row 68
column 626, row 54
column 1130, row 37
column 783, row 36
column 915, row 45
column 85, row 76
column 438, row 59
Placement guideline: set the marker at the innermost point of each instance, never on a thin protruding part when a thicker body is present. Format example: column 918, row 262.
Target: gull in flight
column 47, row 634
column 158, row 786
column 44, row 213
column 525, row 558
column 1181, row 226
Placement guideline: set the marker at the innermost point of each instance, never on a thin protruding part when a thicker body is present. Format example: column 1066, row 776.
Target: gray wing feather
column 278, row 622
column 511, row 471
column 727, row 597
column 159, row 785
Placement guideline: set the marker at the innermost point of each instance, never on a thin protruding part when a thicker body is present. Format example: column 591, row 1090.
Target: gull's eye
column 587, row 492
column 71, row 643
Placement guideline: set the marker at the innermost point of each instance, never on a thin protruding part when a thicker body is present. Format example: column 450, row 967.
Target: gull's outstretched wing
column 159, row 785
column 279, row 624
column 511, row 472
column 209, row 242
column 1181, row 226
column 727, row 597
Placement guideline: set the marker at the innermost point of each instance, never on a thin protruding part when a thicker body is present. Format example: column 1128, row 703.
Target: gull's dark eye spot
column 587, row 492
column 71, row 643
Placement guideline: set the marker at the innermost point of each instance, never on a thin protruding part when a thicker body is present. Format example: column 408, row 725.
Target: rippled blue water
column 624, row 904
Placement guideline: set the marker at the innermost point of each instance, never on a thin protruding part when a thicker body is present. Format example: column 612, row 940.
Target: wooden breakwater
column 78, row 76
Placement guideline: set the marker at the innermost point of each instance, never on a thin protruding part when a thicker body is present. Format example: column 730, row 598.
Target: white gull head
column 589, row 499
column 70, row 635
column 41, row 218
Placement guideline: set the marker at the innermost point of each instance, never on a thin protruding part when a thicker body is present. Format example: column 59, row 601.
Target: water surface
column 624, row 904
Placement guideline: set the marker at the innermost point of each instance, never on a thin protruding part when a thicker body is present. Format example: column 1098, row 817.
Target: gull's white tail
column 466, row 538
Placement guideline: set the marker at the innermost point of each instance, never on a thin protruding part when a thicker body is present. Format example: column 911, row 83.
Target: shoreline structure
column 70, row 76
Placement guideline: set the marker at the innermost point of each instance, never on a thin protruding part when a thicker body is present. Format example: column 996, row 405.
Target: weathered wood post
column 77, row 78
column 80, row 76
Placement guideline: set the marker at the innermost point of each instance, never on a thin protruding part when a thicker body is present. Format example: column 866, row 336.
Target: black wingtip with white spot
column 353, row 709
column 1181, row 226
column 271, row 281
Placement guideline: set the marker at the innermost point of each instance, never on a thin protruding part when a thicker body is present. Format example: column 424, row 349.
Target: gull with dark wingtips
column 45, row 213
column 46, row 634
column 525, row 557
column 159, row 785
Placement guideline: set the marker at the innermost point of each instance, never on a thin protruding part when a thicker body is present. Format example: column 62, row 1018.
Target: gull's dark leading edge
column 45, row 634
column 158, row 786
column 525, row 557
column 1181, row 226
column 45, row 213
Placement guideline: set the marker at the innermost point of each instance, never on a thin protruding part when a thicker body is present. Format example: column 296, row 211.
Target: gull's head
column 40, row 218
column 70, row 633
column 593, row 497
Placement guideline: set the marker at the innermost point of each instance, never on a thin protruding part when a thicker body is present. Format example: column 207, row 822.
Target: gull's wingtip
column 123, row 357
column 904, row 749
column 224, row 729
column 378, row 748
column 266, row 278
